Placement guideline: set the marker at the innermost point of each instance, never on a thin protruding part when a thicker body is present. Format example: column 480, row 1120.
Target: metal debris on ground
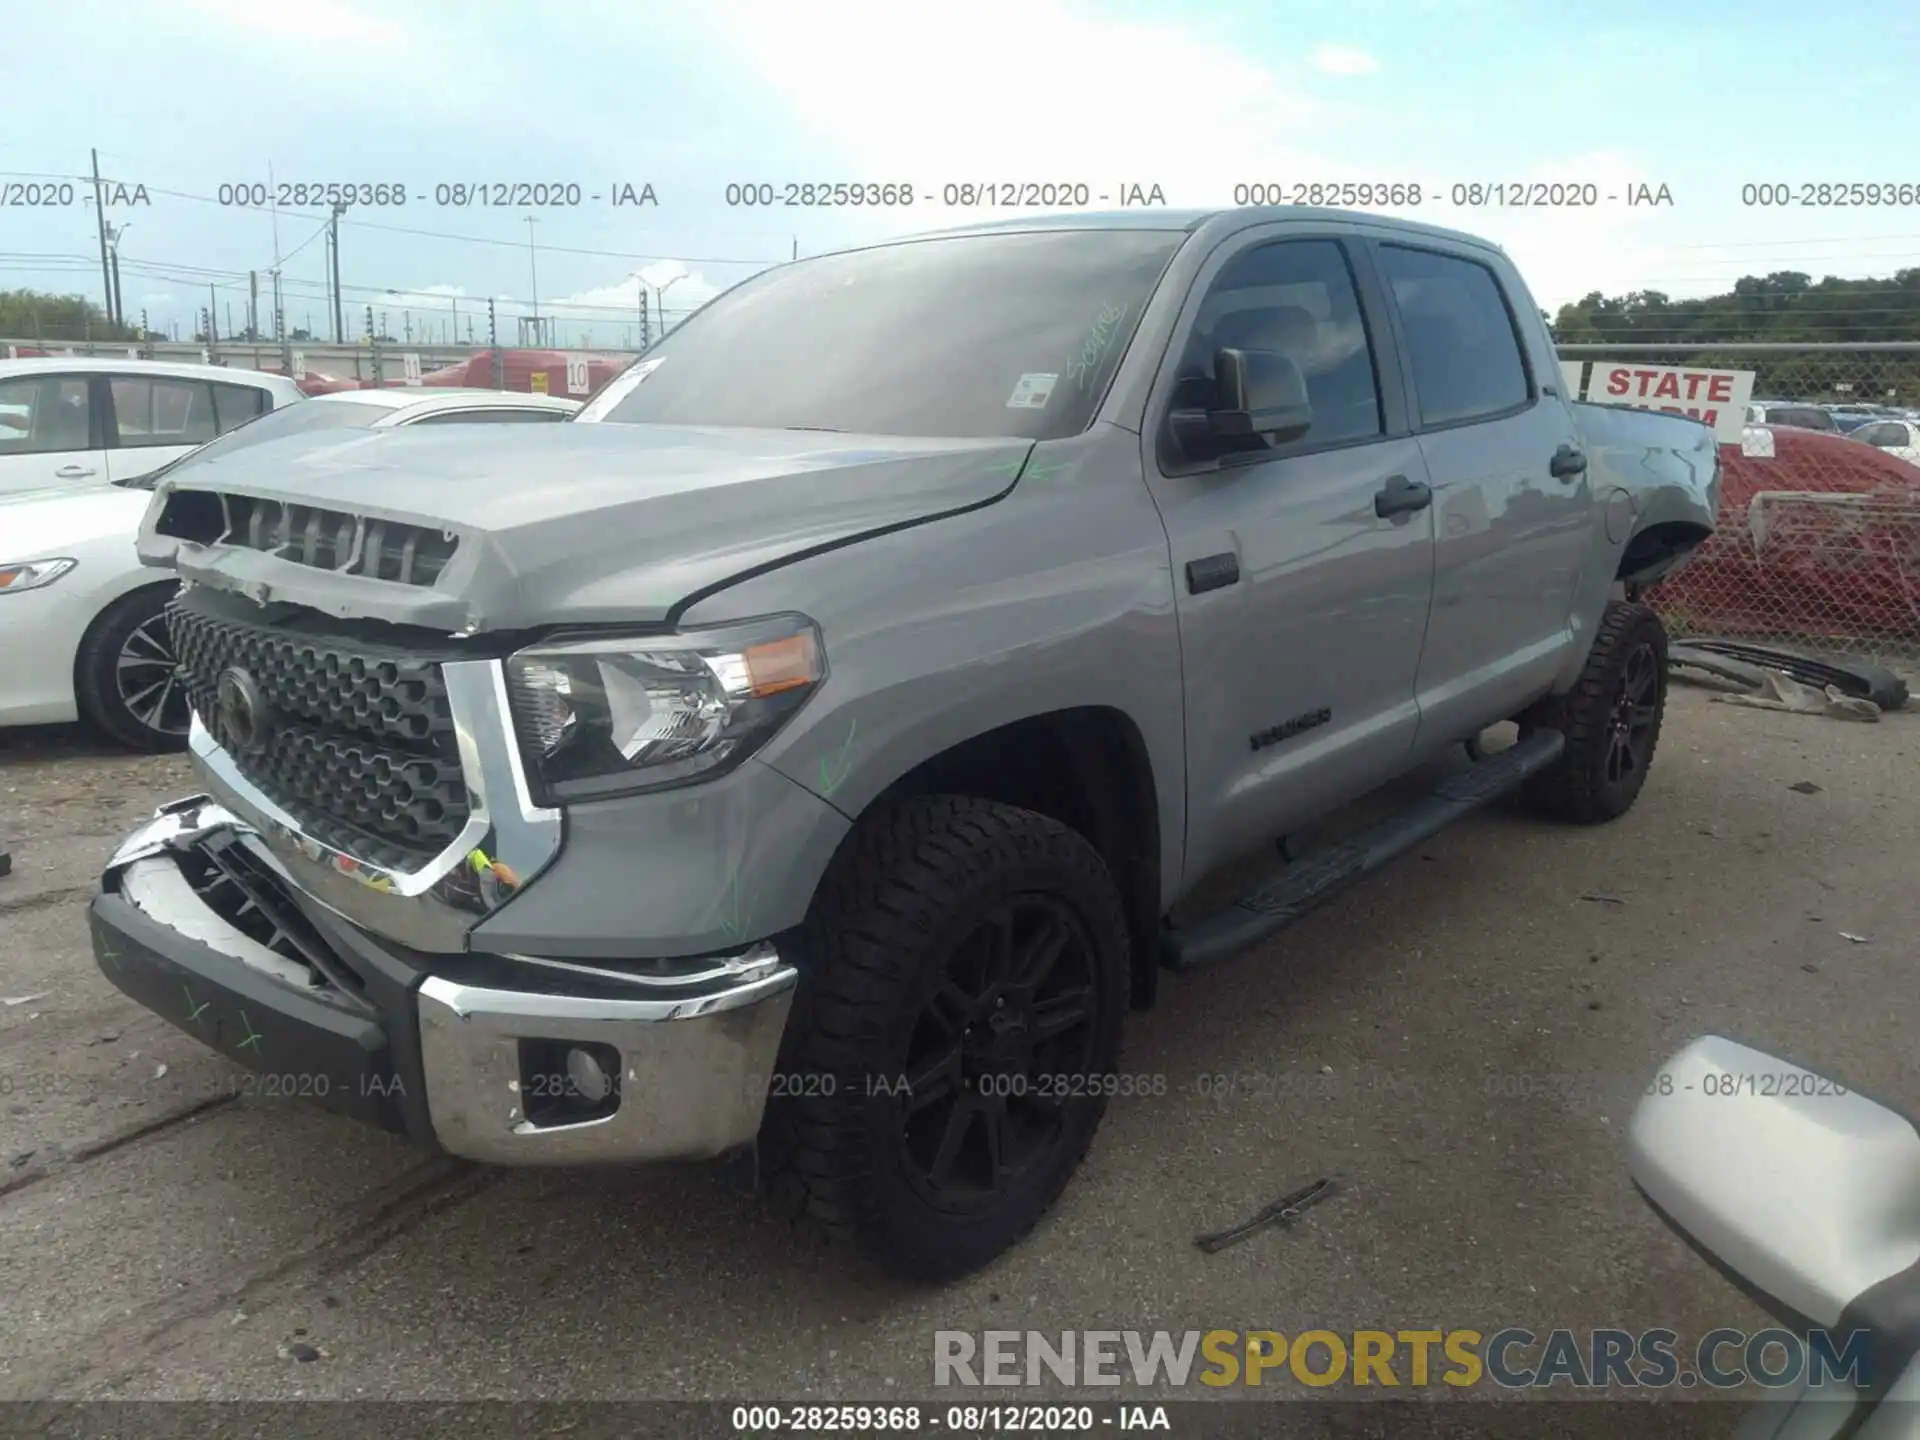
column 1779, row 691
column 12, row 1000
column 1805, row 787
column 1283, row 1211
column 1856, row 939
column 1746, row 663
column 1604, row 899
column 6, row 861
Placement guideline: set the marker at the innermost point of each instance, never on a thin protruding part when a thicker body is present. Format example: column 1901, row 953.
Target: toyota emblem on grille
column 242, row 717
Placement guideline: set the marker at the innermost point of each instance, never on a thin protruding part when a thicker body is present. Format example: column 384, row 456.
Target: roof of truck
column 1226, row 221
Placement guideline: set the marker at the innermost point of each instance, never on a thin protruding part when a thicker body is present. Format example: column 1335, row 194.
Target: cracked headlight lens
column 611, row 715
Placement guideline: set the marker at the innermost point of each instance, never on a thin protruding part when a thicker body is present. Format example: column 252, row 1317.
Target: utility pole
column 373, row 343
column 229, row 319
column 533, row 274
column 406, row 319
column 119, row 308
column 333, row 237
column 493, row 348
column 100, row 214
column 213, row 305
column 796, row 247
column 253, row 305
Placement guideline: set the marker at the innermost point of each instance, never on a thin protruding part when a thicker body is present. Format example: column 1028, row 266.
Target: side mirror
column 1256, row 392
column 1803, row 1191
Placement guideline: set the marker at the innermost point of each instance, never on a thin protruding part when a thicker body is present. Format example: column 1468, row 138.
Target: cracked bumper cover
column 418, row 1044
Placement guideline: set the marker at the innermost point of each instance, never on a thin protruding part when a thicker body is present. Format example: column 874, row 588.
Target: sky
column 185, row 97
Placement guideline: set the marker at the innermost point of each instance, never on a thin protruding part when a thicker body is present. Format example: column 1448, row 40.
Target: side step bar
column 1272, row 906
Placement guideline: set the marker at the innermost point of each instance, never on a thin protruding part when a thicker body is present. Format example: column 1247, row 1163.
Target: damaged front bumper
column 486, row 1057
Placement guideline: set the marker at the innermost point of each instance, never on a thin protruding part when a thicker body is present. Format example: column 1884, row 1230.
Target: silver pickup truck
column 805, row 748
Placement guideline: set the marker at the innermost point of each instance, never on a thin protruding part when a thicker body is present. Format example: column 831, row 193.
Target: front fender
column 1057, row 597
column 1656, row 498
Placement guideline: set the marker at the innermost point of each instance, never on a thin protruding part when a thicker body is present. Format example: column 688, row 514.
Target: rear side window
column 149, row 410
column 1802, row 417
column 236, row 404
column 1467, row 363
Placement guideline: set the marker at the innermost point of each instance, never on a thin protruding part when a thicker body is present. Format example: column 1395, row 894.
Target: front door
column 1302, row 607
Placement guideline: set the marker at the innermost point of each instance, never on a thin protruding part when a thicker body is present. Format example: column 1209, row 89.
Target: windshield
column 294, row 419
column 966, row 337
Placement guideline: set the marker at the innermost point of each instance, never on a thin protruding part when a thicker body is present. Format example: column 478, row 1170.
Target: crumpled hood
column 567, row 523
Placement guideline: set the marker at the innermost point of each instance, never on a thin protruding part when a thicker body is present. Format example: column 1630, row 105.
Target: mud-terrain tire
column 1611, row 718
column 941, row 1077
column 124, row 679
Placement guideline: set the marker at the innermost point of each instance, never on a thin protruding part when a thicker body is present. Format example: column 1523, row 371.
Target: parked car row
column 82, row 634
column 1885, row 427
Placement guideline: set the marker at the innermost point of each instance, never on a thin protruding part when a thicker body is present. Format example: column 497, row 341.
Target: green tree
column 1787, row 307
column 38, row 315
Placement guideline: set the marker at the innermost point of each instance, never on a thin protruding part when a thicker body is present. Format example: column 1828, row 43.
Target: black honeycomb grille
column 418, row 802
column 362, row 748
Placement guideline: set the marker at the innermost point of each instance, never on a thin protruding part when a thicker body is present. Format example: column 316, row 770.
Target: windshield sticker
column 1032, row 393
column 1093, row 350
column 618, row 388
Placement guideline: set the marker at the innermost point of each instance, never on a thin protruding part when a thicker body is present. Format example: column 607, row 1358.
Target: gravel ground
column 1461, row 1040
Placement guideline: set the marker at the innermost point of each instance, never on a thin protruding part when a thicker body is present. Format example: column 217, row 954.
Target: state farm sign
column 1714, row 397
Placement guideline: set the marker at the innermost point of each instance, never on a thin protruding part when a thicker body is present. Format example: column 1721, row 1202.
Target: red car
column 1819, row 539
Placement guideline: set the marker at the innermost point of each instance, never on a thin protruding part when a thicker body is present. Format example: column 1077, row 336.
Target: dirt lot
column 1462, row 1040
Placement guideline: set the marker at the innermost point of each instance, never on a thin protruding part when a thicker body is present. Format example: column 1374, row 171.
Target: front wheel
column 955, row 1033
column 1611, row 718
column 127, row 679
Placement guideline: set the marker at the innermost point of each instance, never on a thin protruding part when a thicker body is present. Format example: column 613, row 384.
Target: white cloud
column 1343, row 60
column 1566, row 251
column 1019, row 90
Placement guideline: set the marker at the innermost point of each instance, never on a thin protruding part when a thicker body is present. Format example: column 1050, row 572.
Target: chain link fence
column 1818, row 543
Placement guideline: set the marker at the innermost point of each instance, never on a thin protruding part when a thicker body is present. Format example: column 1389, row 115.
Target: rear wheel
column 127, row 679
column 958, row 1022
column 1611, row 718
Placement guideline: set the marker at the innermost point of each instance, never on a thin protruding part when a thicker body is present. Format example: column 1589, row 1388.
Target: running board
column 1303, row 885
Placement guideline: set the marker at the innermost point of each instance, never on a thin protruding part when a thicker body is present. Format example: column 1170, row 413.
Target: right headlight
column 31, row 574
column 612, row 715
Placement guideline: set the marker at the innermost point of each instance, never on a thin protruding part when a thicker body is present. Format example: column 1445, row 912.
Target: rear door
column 1301, row 607
column 154, row 419
column 1512, row 503
column 50, row 432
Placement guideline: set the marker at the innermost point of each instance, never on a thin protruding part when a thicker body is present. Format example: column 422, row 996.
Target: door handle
column 1401, row 496
column 75, row 472
column 1567, row 462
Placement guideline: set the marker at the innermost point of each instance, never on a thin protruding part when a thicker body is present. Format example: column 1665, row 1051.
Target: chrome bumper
column 694, row 1052
column 692, row 1080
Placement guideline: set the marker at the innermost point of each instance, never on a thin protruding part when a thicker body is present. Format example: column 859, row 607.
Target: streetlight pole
column 660, row 301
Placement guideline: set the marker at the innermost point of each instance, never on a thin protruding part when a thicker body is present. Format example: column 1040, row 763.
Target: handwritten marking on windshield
column 1093, row 350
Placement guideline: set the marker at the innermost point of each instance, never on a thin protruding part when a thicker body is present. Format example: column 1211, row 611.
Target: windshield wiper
column 822, row 429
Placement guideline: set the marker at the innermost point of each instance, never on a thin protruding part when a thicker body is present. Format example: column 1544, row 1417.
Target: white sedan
column 83, row 632
column 73, row 420
column 1898, row 438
